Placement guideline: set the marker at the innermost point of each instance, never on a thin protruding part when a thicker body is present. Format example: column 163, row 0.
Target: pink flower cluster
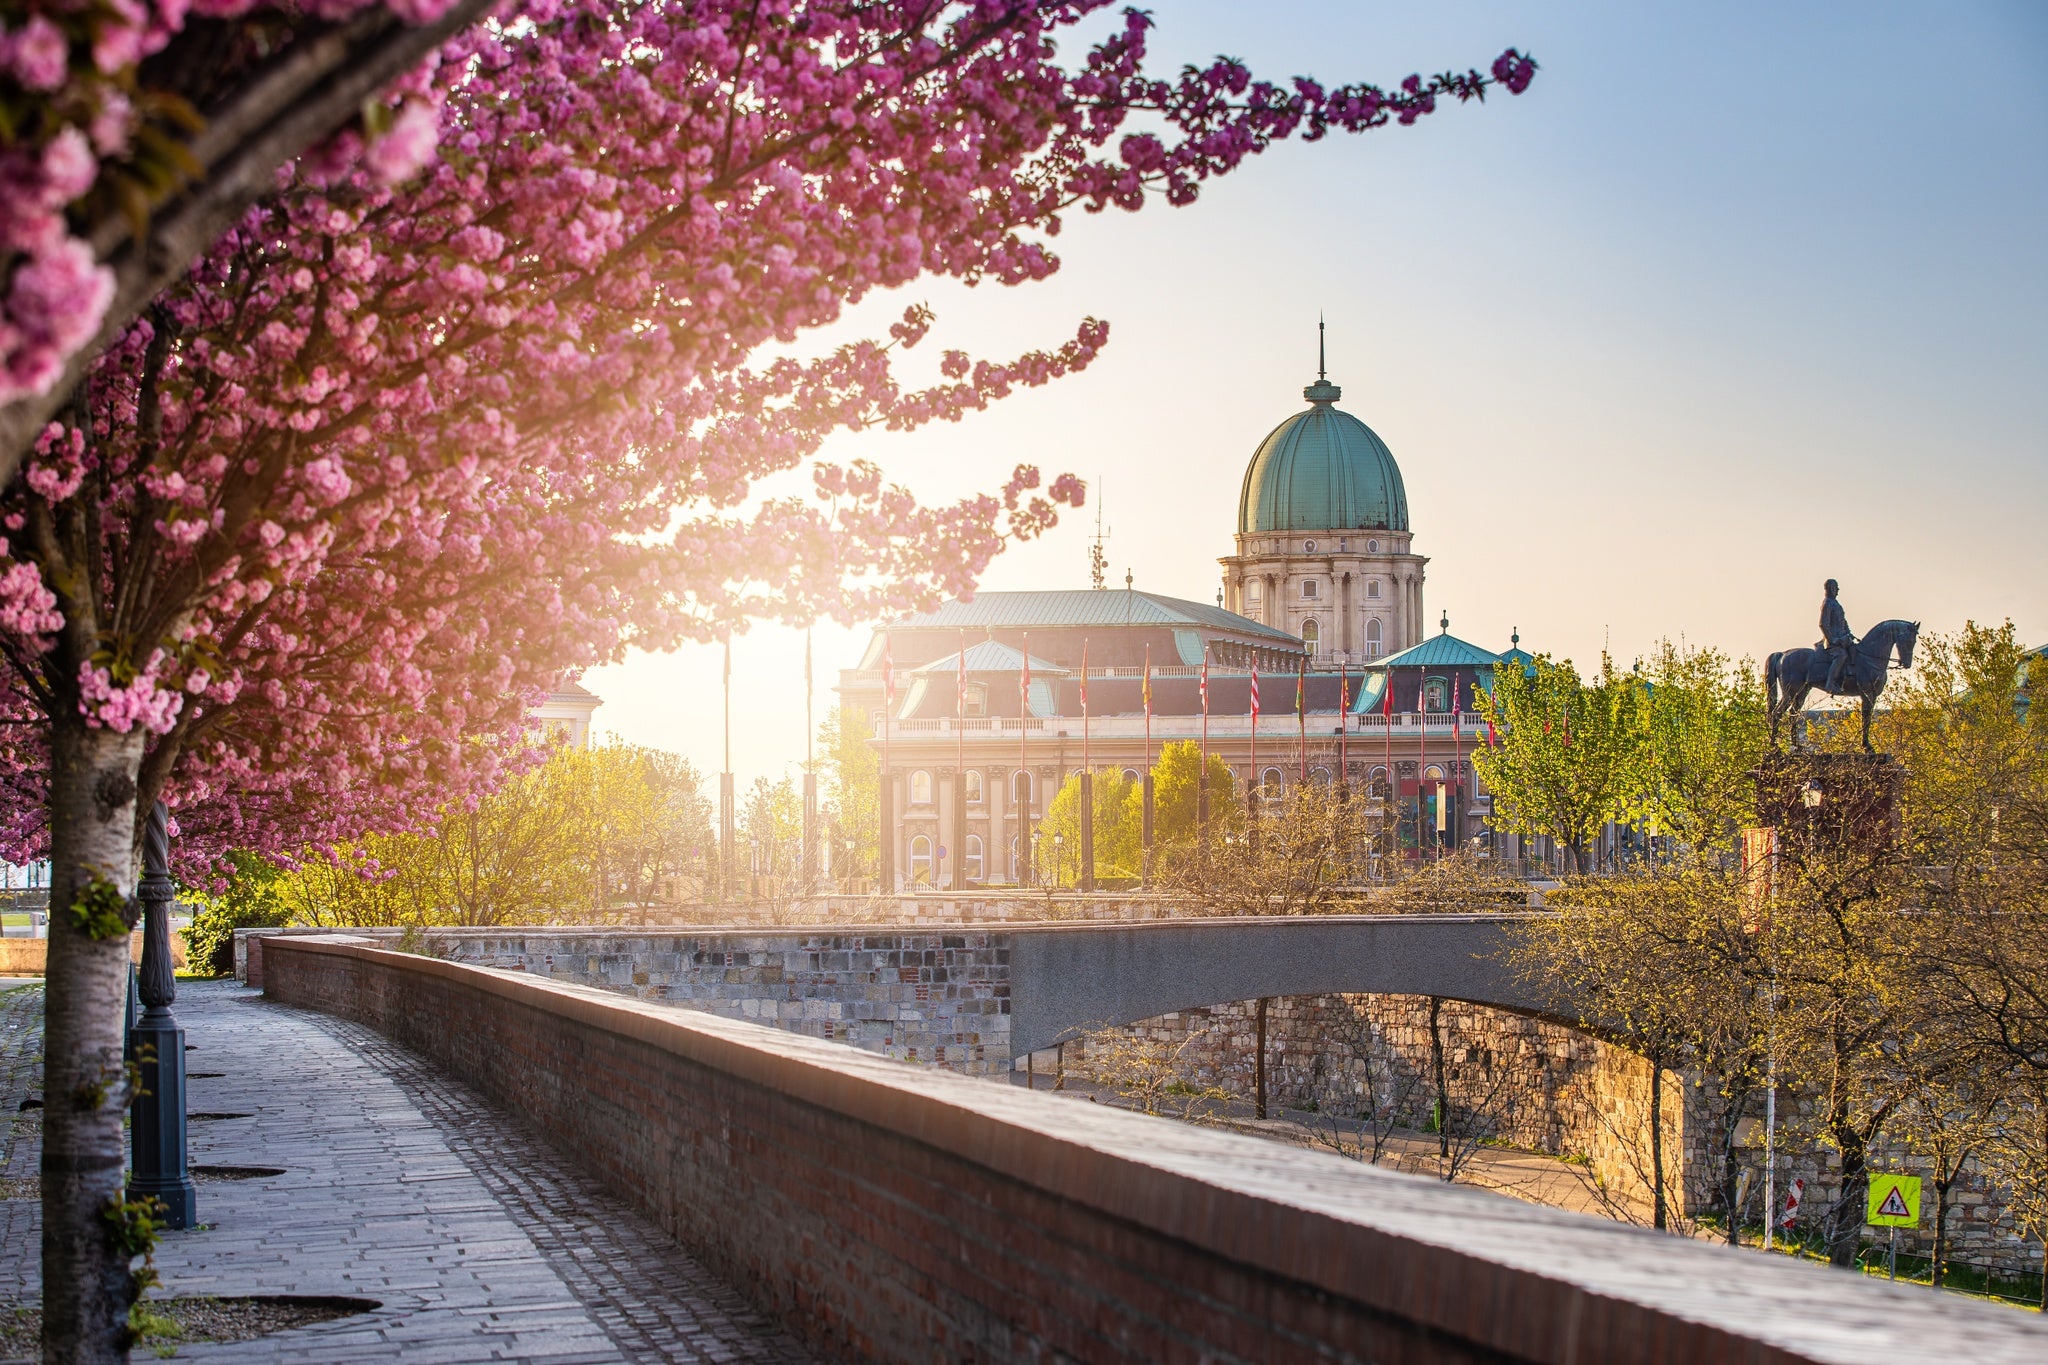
column 400, row 453
column 67, row 74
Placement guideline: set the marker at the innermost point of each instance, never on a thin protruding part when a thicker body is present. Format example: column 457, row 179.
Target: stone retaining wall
column 1573, row 1095
column 888, row 1212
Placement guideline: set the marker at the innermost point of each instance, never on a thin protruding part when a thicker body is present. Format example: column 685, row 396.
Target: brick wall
column 889, row 1212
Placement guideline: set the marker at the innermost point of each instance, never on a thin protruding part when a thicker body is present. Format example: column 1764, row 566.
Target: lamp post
column 1059, row 850
column 157, row 1131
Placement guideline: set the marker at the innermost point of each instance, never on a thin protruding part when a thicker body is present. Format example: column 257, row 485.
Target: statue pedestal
column 1831, row 800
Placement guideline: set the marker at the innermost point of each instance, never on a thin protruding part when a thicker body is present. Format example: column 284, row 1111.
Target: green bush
column 250, row 902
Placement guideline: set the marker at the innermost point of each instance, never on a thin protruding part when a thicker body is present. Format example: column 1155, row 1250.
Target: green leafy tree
column 252, row 899
column 1702, row 728
column 853, row 786
column 1175, row 779
column 771, row 835
column 1568, row 751
column 1119, row 829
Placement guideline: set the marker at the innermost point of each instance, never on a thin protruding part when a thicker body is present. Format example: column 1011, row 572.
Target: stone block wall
column 889, row 1212
column 1575, row 1096
column 942, row 998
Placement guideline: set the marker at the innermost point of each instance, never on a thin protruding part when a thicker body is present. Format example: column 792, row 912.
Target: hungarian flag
column 1084, row 677
column 1300, row 688
column 888, row 678
column 960, row 688
column 1205, row 680
column 1146, row 689
column 1024, row 680
column 1255, row 689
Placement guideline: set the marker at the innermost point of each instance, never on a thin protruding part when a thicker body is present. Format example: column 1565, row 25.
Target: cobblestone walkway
column 401, row 1185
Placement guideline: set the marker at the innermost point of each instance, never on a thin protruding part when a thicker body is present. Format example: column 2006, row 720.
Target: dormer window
column 974, row 700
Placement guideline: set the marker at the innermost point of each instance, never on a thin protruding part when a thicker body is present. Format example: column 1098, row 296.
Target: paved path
column 401, row 1185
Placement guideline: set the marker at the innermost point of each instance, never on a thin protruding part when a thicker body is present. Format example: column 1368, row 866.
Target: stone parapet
column 889, row 1212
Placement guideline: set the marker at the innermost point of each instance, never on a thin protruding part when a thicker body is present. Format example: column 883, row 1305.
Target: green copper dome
column 1322, row 470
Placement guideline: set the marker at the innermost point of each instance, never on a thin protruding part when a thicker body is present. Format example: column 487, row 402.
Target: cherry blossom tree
column 394, row 455
column 137, row 131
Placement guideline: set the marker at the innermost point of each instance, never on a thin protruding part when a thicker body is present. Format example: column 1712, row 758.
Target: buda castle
column 983, row 708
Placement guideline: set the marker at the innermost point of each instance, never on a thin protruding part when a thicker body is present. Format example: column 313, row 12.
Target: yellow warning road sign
column 1894, row 1201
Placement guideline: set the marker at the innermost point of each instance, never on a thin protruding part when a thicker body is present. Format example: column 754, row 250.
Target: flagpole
column 1258, row 783
column 960, row 769
column 1387, row 805
column 1087, row 785
column 1024, row 803
column 1301, row 713
column 885, row 813
column 725, row 791
column 1145, row 796
column 804, row 879
column 1202, row 779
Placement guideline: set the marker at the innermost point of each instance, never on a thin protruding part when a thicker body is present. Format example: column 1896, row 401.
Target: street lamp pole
column 157, row 1132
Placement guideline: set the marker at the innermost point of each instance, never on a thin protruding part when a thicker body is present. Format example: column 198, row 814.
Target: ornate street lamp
column 157, row 1043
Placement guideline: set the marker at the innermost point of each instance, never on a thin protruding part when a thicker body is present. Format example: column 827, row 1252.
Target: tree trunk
column 86, row 1289
column 1660, row 1217
column 1436, row 1059
column 1939, row 1264
column 1845, row 1225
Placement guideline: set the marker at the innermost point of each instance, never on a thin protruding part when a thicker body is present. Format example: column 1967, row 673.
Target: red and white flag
column 888, row 678
column 1255, row 689
column 1084, row 680
column 1205, row 682
column 1024, row 680
column 1147, row 689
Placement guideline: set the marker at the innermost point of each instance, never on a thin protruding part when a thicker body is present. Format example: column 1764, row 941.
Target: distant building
column 567, row 712
column 1323, row 596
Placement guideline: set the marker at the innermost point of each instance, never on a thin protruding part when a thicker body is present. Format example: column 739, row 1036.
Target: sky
column 1736, row 298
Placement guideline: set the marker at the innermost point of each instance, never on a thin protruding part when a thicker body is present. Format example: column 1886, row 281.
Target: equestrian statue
column 1840, row 664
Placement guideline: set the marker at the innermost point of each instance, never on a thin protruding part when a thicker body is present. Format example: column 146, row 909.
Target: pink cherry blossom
column 423, row 433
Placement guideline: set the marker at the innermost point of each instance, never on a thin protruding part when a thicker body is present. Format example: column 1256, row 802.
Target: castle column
column 1344, row 596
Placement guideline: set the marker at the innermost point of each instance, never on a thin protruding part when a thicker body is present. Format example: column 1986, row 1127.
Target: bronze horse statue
column 1792, row 673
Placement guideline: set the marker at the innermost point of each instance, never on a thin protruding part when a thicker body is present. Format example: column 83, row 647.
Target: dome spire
column 1322, row 391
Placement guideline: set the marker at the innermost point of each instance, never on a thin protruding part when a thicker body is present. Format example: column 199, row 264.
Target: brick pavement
column 403, row 1186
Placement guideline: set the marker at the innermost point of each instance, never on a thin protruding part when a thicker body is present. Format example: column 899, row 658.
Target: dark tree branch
column 306, row 92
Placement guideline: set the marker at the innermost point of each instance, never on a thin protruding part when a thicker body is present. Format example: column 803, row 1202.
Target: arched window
column 972, row 868
column 920, row 788
column 921, row 861
column 1372, row 638
column 1432, row 773
column 1269, row 784
column 1131, row 775
column 1436, row 695
column 974, row 786
column 1020, row 788
column 1319, row 776
column 1312, row 636
column 1311, row 588
column 1379, row 775
column 1372, row 587
column 974, row 700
